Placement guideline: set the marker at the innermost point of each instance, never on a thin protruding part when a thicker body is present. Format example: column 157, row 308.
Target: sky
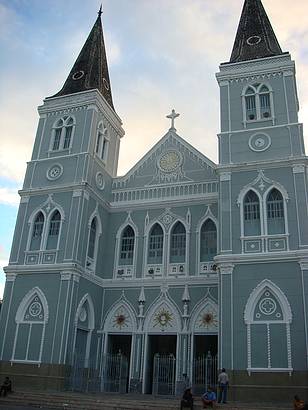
column 162, row 54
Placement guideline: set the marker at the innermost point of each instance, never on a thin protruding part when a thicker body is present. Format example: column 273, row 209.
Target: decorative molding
column 24, row 199
column 225, row 176
column 77, row 193
column 10, row 277
column 298, row 168
column 226, row 268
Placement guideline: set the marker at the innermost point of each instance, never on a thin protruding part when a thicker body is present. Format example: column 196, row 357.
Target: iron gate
column 204, row 373
column 164, row 371
column 84, row 377
column 114, row 373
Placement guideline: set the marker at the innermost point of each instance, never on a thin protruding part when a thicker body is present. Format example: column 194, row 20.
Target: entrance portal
column 204, row 366
column 116, row 363
column 160, row 364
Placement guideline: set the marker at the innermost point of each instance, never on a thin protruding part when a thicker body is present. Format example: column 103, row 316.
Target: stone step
column 75, row 401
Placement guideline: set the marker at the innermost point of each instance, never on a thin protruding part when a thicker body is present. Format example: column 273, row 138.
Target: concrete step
column 75, row 401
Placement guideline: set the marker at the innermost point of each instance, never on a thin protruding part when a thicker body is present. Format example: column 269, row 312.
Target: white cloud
column 9, row 196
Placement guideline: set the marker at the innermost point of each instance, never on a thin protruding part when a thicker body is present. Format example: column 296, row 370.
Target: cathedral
column 157, row 279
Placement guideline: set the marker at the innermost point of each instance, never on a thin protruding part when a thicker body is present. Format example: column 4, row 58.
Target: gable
column 171, row 161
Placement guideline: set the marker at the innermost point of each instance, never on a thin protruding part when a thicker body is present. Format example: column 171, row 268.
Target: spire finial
column 100, row 11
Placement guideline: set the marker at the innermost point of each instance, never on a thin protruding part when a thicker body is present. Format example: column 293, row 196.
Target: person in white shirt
column 223, row 382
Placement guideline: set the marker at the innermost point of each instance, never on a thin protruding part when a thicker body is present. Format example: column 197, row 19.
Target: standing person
column 223, row 382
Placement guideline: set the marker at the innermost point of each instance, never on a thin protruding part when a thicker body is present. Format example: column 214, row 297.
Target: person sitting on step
column 209, row 398
column 187, row 399
column 6, row 387
column 298, row 403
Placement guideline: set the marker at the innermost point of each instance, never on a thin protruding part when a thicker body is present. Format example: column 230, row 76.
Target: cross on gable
column 172, row 116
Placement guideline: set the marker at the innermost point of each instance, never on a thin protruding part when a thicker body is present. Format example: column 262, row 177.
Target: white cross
column 172, row 116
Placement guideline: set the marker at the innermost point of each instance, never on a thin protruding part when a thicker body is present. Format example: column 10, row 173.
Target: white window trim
column 249, row 321
column 62, row 137
column 89, row 261
column 241, row 202
column 146, row 265
column 257, row 101
column 187, row 245
column 285, row 198
column 208, row 215
column 117, row 266
column 101, row 128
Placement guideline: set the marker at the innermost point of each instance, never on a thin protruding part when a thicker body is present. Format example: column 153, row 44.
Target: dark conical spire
column 90, row 70
column 255, row 36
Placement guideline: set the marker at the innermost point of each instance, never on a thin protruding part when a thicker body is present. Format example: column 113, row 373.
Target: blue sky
column 162, row 54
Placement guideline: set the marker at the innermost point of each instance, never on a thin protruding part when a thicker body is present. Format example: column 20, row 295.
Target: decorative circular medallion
column 253, row 40
column 170, row 161
column 99, row 179
column 82, row 314
column 259, row 142
column 105, row 82
column 167, row 219
column 35, row 309
column 267, row 306
column 163, row 318
column 78, row 75
column 54, row 172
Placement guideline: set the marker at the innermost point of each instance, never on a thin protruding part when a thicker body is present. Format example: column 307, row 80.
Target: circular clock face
column 78, row 75
column 259, row 142
column 54, row 172
column 170, row 161
column 253, row 40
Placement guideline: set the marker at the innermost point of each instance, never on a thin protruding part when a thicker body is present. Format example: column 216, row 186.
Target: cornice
column 82, row 100
column 262, row 257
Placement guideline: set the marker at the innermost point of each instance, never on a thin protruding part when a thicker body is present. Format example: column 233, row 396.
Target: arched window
column 275, row 213
column 156, row 243
column 62, row 133
column 178, row 243
column 92, row 239
column 54, row 230
column 127, row 246
column 101, row 147
column 37, row 232
column 257, row 103
column 251, row 214
column 208, row 241
column 250, row 101
column 265, row 102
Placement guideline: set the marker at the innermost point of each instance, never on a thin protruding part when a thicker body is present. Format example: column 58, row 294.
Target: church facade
column 180, row 267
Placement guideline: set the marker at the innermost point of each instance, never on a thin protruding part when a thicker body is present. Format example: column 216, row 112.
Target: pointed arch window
column 54, row 230
column 92, row 239
column 251, row 210
column 102, row 142
column 275, row 213
column 258, row 103
column 156, row 243
column 37, row 232
column 127, row 246
column 208, row 241
column 250, row 101
column 178, row 243
column 62, row 133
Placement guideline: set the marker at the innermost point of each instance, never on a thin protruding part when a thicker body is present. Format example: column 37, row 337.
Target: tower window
column 251, row 214
column 37, row 232
column 62, row 133
column 275, row 213
column 54, row 230
column 102, row 142
column 257, row 103
column 92, row 239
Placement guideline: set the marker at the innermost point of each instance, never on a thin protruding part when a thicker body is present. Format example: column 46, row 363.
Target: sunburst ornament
column 208, row 319
column 120, row 319
column 163, row 318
